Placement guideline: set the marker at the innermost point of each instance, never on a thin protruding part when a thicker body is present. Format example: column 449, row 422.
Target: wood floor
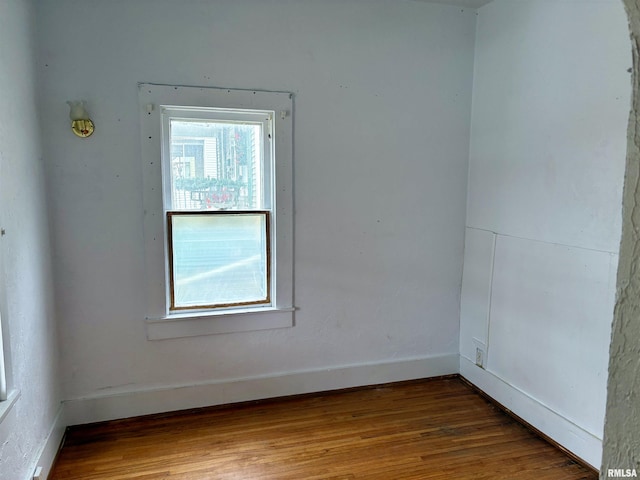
column 438, row 429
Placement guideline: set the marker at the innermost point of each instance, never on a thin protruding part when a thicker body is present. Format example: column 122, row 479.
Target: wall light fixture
column 81, row 124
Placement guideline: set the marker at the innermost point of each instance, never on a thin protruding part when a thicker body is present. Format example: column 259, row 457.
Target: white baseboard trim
column 182, row 397
column 47, row 454
column 577, row 440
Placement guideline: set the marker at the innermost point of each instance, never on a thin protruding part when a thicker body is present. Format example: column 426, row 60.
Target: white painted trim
column 7, row 405
column 152, row 98
column 47, row 454
column 181, row 397
column 3, row 375
column 571, row 436
column 191, row 325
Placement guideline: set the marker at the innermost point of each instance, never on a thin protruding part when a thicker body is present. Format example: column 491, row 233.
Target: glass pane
column 219, row 259
column 216, row 165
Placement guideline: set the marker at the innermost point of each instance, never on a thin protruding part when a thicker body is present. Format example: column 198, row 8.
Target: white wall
column 30, row 430
column 550, row 105
column 382, row 108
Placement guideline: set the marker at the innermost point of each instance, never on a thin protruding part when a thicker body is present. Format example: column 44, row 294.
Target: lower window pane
column 218, row 259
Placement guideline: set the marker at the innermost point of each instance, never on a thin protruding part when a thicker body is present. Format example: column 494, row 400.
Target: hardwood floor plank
column 431, row 430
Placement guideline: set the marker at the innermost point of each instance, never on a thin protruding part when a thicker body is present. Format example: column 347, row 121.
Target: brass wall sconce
column 81, row 124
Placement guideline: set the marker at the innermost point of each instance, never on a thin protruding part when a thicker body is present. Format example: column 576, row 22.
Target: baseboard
column 47, row 455
column 567, row 434
column 182, row 397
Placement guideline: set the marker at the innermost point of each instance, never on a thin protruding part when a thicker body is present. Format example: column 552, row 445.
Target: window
column 217, row 172
column 218, row 186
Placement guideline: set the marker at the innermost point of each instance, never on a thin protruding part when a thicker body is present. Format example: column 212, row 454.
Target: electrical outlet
column 479, row 357
column 37, row 475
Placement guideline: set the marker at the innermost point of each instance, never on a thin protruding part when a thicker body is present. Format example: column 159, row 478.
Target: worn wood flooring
column 432, row 429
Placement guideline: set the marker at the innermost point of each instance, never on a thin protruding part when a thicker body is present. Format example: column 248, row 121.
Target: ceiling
column 461, row 3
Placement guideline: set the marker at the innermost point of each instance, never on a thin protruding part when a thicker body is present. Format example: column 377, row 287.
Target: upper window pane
column 216, row 165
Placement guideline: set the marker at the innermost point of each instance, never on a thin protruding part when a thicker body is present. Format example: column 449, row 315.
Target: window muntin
column 216, row 164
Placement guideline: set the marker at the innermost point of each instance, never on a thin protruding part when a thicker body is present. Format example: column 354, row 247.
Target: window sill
column 231, row 321
column 6, row 405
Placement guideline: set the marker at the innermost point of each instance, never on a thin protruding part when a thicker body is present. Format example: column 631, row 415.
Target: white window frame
column 9, row 395
column 161, row 322
column 4, row 381
column 265, row 119
column 3, row 373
